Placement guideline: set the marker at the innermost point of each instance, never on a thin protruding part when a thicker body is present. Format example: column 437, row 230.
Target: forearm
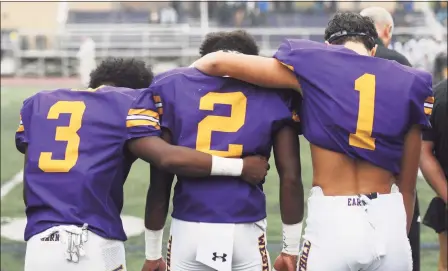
column 183, row 161
column 409, row 203
column 156, row 211
column 434, row 175
column 257, row 70
column 158, row 199
column 188, row 162
column 291, row 202
column 292, row 209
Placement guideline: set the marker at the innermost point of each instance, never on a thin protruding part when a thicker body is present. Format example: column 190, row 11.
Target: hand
column 255, row 168
column 155, row 265
column 285, row 262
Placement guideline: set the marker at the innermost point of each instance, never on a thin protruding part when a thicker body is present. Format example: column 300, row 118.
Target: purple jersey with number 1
column 357, row 105
column 76, row 156
column 227, row 118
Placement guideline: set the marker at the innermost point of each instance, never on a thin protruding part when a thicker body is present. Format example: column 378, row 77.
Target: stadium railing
column 177, row 43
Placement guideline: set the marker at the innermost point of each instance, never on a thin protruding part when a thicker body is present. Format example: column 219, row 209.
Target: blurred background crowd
column 170, row 31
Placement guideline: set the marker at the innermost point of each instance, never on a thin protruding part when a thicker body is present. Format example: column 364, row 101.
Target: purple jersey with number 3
column 223, row 117
column 76, row 156
column 357, row 105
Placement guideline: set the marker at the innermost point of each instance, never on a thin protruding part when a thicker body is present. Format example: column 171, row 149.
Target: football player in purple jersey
column 79, row 147
column 363, row 117
column 221, row 224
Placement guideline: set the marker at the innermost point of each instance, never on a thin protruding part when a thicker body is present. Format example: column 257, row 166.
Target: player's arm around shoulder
column 257, row 70
column 287, row 161
column 419, row 96
column 143, row 135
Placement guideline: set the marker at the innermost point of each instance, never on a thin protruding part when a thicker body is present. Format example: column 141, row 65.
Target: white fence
column 178, row 43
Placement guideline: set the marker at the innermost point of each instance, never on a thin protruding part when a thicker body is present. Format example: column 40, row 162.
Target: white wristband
column 226, row 166
column 291, row 238
column 153, row 244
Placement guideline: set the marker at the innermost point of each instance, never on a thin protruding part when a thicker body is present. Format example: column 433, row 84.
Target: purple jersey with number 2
column 223, row 117
column 76, row 156
column 357, row 105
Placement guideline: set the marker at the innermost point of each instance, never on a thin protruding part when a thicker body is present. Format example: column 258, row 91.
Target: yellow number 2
column 365, row 84
column 64, row 133
column 209, row 124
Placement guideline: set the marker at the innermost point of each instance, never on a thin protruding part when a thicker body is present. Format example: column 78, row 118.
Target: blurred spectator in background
column 440, row 11
column 87, row 63
column 168, row 15
column 384, row 24
column 440, row 67
column 154, row 17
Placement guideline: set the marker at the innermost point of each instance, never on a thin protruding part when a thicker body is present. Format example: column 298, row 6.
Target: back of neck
column 359, row 48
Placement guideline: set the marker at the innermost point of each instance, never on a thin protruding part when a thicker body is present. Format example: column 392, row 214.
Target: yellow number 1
column 363, row 136
column 65, row 133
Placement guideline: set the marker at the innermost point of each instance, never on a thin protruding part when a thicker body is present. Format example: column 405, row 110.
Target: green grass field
column 12, row 253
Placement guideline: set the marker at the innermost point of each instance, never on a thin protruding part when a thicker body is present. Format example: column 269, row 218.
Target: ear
column 373, row 51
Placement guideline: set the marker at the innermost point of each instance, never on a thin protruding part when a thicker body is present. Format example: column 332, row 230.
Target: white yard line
column 11, row 184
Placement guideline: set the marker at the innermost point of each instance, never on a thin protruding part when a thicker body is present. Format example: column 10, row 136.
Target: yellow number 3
column 364, row 127
column 232, row 124
column 64, row 133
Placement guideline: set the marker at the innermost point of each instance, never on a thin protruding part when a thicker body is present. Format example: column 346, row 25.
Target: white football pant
column 345, row 233
column 49, row 251
column 195, row 246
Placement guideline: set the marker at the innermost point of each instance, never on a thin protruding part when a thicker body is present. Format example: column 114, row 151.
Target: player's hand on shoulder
column 255, row 168
column 285, row 262
column 156, row 265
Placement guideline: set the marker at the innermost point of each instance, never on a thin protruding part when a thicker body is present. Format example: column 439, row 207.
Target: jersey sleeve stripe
column 21, row 128
column 145, row 112
column 430, row 100
column 142, row 122
column 141, row 117
column 288, row 66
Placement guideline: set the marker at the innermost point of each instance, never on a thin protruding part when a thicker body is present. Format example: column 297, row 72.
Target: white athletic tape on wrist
column 153, row 244
column 226, row 166
column 291, row 238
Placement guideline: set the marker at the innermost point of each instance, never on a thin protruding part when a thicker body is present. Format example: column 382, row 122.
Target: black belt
column 372, row 195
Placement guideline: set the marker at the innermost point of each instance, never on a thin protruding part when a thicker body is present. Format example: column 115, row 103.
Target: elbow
column 166, row 162
column 211, row 64
column 169, row 163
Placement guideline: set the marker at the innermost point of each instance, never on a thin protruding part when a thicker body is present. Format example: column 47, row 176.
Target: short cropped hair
column 119, row 72
column 351, row 26
column 238, row 41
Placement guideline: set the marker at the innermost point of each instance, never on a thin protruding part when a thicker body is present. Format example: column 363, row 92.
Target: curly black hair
column 238, row 40
column 351, row 26
column 119, row 72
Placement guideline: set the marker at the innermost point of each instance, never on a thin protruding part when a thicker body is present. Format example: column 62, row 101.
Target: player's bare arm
column 432, row 170
column 257, row 70
column 188, row 162
column 407, row 179
column 156, row 211
column 287, row 161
